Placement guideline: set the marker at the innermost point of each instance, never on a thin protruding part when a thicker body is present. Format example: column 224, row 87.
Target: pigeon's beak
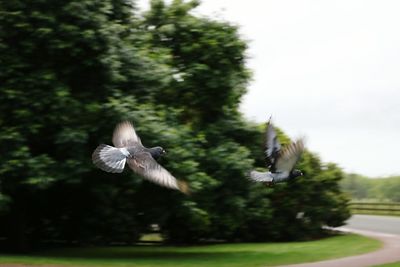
column 164, row 152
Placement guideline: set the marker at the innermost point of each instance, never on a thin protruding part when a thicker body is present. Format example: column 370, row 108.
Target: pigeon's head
column 295, row 173
column 157, row 152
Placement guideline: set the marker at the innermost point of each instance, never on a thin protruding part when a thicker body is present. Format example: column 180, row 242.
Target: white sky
column 329, row 70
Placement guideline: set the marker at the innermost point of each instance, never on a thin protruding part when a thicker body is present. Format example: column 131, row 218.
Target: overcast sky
column 329, row 70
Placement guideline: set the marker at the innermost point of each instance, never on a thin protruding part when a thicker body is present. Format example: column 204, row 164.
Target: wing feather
column 289, row 156
column 125, row 135
column 145, row 165
column 272, row 145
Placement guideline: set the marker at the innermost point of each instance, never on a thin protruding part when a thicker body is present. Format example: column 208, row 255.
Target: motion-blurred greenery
column 72, row 69
column 221, row 255
column 359, row 187
column 395, row 264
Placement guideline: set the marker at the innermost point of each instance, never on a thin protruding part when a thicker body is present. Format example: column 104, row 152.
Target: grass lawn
column 378, row 214
column 222, row 255
column 395, row 264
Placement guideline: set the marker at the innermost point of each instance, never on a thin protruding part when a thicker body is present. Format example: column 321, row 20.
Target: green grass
column 155, row 237
column 221, row 255
column 395, row 264
column 382, row 213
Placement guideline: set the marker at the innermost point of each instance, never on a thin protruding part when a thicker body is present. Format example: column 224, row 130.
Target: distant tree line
column 70, row 70
column 359, row 187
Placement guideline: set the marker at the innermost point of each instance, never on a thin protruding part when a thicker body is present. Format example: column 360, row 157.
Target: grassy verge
column 223, row 255
column 375, row 213
column 375, row 208
column 395, row 264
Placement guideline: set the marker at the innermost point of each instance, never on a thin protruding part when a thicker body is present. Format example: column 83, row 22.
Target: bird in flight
column 128, row 148
column 280, row 162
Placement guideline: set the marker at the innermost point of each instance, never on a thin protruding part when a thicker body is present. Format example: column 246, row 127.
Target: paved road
column 384, row 228
column 382, row 224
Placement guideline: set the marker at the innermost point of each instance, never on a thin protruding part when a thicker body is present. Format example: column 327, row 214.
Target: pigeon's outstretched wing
column 109, row 158
column 289, row 156
column 124, row 135
column 145, row 165
column 272, row 146
column 261, row 176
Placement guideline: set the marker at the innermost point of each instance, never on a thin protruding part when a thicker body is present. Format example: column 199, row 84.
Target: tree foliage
column 74, row 69
column 359, row 187
column 206, row 58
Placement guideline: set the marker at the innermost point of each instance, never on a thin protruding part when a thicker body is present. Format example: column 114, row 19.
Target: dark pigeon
column 280, row 162
column 142, row 160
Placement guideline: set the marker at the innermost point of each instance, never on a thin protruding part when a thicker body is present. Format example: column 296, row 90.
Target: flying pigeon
column 142, row 160
column 280, row 162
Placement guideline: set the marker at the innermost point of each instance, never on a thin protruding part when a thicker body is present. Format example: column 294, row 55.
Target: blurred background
column 202, row 86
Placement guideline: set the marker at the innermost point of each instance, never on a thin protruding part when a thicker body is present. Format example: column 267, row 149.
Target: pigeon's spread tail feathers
column 109, row 158
column 261, row 176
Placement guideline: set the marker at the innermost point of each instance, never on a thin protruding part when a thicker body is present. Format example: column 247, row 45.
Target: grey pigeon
column 142, row 160
column 280, row 162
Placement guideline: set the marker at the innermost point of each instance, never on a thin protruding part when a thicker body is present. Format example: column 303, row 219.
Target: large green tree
column 63, row 62
column 207, row 58
column 72, row 70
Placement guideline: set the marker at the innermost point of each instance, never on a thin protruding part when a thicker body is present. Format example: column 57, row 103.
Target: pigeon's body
column 142, row 160
column 280, row 162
